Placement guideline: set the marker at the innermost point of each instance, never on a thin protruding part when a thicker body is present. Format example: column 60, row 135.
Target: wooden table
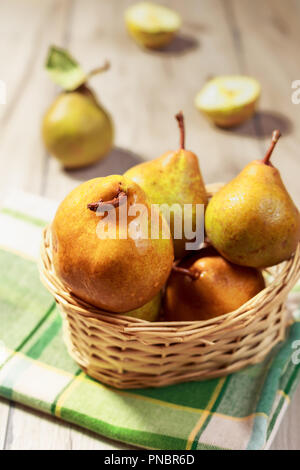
column 143, row 90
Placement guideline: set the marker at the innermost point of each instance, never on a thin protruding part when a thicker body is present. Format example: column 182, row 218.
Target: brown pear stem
column 100, row 69
column 180, row 120
column 275, row 137
column 107, row 205
column 186, row 272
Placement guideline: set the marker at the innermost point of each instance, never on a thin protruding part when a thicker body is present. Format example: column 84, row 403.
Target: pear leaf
column 64, row 70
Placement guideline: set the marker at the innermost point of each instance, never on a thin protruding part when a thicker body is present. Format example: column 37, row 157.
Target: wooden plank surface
column 143, row 90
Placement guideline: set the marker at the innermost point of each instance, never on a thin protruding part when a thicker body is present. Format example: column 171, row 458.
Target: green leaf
column 64, row 70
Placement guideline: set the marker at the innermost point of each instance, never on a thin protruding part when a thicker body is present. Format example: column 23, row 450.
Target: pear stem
column 275, row 137
column 100, row 69
column 180, row 120
column 186, row 272
column 117, row 201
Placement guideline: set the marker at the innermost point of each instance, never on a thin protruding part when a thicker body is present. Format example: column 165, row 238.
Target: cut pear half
column 229, row 100
column 152, row 25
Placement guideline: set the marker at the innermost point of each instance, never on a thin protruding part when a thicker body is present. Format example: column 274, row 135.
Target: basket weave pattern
column 126, row 352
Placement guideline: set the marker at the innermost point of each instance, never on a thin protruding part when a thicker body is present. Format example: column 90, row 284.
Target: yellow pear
column 76, row 129
column 252, row 221
column 102, row 248
column 174, row 179
column 149, row 312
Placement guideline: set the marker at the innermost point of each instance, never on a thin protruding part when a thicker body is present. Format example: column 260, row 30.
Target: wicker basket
column 126, row 352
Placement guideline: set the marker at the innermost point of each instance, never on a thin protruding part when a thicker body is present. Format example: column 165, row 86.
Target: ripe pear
column 152, row 25
column 173, row 178
column 76, row 129
column 149, row 312
column 229, row 100
column 106, row 259
column 252, row 221
column 207, row 287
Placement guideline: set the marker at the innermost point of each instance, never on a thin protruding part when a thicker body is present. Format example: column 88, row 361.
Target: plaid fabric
column 241, row 411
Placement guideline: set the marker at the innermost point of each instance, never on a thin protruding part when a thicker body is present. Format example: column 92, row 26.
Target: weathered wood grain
column 288, row 434
column 4, row 418
column 30, row 430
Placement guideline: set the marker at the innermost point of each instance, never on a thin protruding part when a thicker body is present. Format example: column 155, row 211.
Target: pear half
column 229, row 100
column 152, row 25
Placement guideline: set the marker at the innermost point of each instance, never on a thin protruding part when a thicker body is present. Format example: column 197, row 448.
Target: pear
column 148, row 312
column 152, row 25
column 229, row 100
column 102, row 250
column 76, row 129
column 201, row 288
column 252, row 221
column 173, row 178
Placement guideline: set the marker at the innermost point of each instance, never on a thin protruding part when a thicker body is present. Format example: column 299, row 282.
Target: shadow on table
column 264, row 123
column 116, row 163
column 181, row 44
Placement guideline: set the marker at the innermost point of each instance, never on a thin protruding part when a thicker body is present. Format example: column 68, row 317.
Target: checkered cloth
column 240, row 411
